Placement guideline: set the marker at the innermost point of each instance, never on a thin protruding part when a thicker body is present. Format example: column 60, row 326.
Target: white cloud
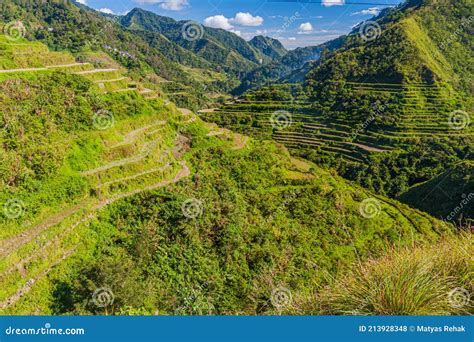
column 82, row 2
column 170, row 5
column 306, row 27
column 218, row 21
column 329, row 3
column 237, row 32
column 174, row 5
column 368, row 11
column 291, row 38
column 246, row 19
column 240, row 19
column 106, row 10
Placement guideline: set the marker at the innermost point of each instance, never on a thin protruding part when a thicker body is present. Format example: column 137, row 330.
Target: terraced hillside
column 23, row 59
column 142, row 160
column 424, row 112
column 109, row 190
column 268, row 119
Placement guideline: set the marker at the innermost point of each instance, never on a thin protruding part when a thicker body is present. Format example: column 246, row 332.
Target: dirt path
column 193, row 119
column 6, row 71
column 22, row 70
column 240, row 141
column 9, row 245
column 185, row 112
column 158, row 169
column 131, row 136
column 95, row 71
column 112, row 80
column 368, row 148
column 122, row 162
column 118, row 163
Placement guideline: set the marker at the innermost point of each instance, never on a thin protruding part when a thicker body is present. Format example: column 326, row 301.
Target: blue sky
column 295, row 22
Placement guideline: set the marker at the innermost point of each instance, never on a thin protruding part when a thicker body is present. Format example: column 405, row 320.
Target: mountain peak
column 270, row 47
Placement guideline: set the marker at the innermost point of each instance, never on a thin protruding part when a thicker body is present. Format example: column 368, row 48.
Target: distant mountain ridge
column 224, row 49
column 260, row 61
column 291, row 67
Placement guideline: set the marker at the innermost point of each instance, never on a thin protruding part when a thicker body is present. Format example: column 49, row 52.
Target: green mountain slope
column 449, row 196
column 421, row 88
column 269, row 47
column 106, row 190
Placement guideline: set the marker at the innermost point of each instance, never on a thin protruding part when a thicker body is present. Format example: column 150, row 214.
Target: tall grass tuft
column 425, row 280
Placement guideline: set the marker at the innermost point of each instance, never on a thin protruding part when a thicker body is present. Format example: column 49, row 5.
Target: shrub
column 426, row 280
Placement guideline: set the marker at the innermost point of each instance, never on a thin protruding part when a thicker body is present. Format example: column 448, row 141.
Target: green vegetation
column 266, row 220
column 101, row 180
column 449, row 196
